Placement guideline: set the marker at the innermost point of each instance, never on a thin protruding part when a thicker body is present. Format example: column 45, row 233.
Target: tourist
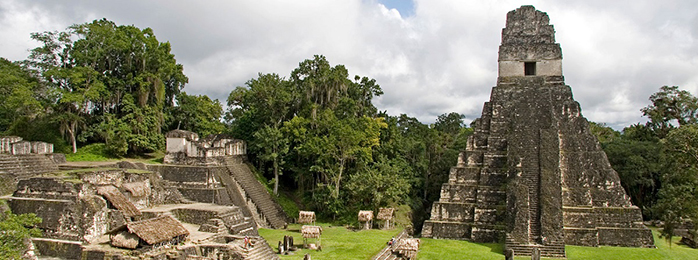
column 246, row 242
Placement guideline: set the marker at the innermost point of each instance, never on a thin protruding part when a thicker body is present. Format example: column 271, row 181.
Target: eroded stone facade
column 184, row 147
column 533, row 175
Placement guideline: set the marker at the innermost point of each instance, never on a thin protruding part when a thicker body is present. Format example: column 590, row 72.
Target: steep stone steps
column 387, row 253
column 246, row 227
column 266, row 206
column 26, row 164
column 557, row 251
column 260, row 251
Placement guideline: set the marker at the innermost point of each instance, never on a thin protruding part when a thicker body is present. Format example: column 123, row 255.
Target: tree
column 21, row 93
column 386, row 182
column 671, row 106
column 273, row 146
column 678, row 196
column 322, row 85
column 110, row 72
column 196, row 113
column 603, row 133
column 450, row 123
column 639, row 165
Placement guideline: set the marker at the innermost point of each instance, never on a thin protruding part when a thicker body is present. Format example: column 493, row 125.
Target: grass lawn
column 453, row 249
column 337, row 242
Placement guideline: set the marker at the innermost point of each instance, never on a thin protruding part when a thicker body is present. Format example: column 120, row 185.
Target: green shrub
column 14, row 231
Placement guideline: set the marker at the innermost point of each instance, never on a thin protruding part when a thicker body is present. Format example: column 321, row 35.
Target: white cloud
column 440, row 59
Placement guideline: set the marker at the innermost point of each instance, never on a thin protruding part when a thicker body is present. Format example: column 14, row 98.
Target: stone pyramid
column 533, row 175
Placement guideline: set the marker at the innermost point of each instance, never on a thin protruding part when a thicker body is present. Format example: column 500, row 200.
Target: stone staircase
column 387, row 253
column 270, row 213
column 244, row 228
column 260, row 251
column 556, row 250
column 16, row 167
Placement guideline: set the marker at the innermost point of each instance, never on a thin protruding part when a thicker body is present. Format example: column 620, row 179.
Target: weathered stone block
column 206, row 195
column 462, row 193
column 450, row 211
column 184, row 174
column 630, row 237
column 453, row 230
column 58, row 248
column 21, row 147
column 464, row 175
column 581, row 236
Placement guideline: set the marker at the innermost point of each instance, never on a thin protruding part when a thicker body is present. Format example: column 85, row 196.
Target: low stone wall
column 184, row 174
column 58, row 248
column 629, row 237
column 42, row 148
column 51, row 211
column 611, row 226
column 6, row 143
column 22, row 147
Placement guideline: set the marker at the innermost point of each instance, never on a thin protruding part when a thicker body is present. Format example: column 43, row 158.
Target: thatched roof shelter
column 408, row 244
column 306, row 217
column 120, row 202
column 407, row 247
column 311, row 231
column 365, row 215
column 155, row 230
column 125, row 240
column 385, row 213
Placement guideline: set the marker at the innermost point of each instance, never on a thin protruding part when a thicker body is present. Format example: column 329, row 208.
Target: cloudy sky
column 429, row 56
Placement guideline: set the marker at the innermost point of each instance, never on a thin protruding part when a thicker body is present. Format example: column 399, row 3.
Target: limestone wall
column 186, row 148
column 21, row 147
column 6, row 143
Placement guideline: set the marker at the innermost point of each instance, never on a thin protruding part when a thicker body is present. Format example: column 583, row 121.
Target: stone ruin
column 21, row 159
column 14, row 145
column 185, row 147
column 533, row 175
column 117, row 213
column 200, row 205
column 213, row 170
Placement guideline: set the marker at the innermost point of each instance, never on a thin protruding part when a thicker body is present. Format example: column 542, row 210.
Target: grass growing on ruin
column 452, row 249
column 337, row 242
column 90, row 153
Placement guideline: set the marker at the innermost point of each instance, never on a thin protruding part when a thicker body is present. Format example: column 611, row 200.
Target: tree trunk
column 276, row 178
column 72, row 139
column 339, row 178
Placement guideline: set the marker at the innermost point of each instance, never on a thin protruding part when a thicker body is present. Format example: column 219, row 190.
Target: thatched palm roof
column 119, row 201
column 306, row 217
column 311, row 231
column 385, row 213
column 407, row 244
column 365, row 215
column 156, row 230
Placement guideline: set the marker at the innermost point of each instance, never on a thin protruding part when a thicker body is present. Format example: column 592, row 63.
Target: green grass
column 453, row 249
column 337, row 242
column 90, row 153
column 457, row 249
column 97, row 152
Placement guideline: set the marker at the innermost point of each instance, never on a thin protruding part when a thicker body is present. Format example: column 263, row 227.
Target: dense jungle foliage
column 316, row 134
